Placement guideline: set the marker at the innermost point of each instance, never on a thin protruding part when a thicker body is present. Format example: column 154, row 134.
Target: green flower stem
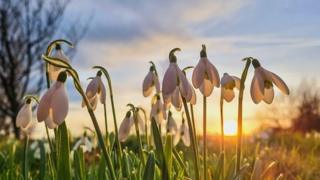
column 194, row 130
column 145, row 125
column 193, row 141
column 25, row 157
column 239, row 137
column 106, row 125
column 113, row 109
column 138, row 136
column 222, row 133
column 205, row 138
column 96, row 126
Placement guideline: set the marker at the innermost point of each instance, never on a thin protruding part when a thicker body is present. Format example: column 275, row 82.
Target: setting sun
column 230, row 128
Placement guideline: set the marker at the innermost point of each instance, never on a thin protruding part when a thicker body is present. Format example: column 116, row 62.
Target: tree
column 26, row 28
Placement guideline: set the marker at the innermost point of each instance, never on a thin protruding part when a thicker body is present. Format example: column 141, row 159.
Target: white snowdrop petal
column 186, row 136
column 92, row 87
column 228, row 94
column 280, row 84
column 102, row 93
column 198, row 74
column 268, row 95
column 59, row 105
column 125, row 128
column 206, row 88
column 226, row 79
column 176, row 99
column 147, row 84
column 44, row 104
column 184, row 84
column 237, row 81
column 255, row 91
column 24, row 116
column 170, row 78
column 213, row 73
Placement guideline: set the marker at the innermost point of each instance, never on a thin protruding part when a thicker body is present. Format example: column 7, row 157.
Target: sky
column 123, row 36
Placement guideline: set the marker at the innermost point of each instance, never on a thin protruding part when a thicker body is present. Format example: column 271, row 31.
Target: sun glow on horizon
column 230, row 128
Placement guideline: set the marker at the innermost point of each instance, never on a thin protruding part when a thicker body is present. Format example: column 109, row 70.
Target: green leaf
column 79, row 164
column 218, row 169
column 42, row 160
column 149, row 171
column 64, row 168
column 126, row 165
column 159, row 149
column 231, row 169
column 168, row 154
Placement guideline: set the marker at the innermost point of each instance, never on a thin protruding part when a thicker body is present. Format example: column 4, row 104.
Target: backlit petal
column 228, row 94
column 24, row 116
column 170, row 78
column 125, row 128
column 255, row 91
column 176, row 99
column 185, row 136
column 237, row 81
column 147, row 84
column 206, row 88
column 213, row 73
column 198, row 74
column 44, row 104
column 226, row 79
column 268, row 95
column 92, row 87
column 280, row 84
column 59, row 105
column 102, row 93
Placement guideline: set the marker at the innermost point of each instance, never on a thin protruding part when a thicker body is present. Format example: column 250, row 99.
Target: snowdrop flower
column 95, row 91
column 54, row 105
column 158, row 111
column 191, row 95
column 184, row 133
column 205, row 76
column 150, row 82
column 128, row 123
column 228, row 83
column 125, row 127
column 262, row 84
column 54, row 70
column 172, row 128
column 85, row 143
column 174, row 84
column 24, row 117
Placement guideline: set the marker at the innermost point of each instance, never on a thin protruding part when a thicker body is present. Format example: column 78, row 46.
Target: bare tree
column 26, row 27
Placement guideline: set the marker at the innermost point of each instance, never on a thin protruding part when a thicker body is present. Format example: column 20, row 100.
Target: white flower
column 54, row 70
column 95, row 91
column 150, row 82
column 184, row 134
column 205, row 76
column 54, row 105
column 85, row 143
column 24, row 116
column 141, row 123
column 172, row 128
column 262, row 84
column 125, row 127
column 174, row 84
column 158, row 111
column 228, row 83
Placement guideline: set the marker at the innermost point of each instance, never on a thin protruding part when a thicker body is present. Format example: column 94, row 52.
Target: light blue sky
column 124, row 35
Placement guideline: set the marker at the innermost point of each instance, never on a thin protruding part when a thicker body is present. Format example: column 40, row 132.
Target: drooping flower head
column 262, row 84
column 172, row 128
column 205, row 75
column 151, row 81
column 24, row 117
column 54, row 104
column 174, row 84
column 158, row 111
column 228, row 83
column 83, row 142
column 184, row 133
column 125, row 127
column 191, row 95
column 96, row 91
column 59, row 54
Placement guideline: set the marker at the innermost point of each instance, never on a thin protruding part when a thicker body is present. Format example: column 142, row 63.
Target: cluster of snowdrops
column 176, row 91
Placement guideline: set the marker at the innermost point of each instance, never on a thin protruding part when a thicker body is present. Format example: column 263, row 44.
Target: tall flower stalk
column 62, row 64
column 105, row 72
column 205, row 76
column 47, row 53
column 240, row 102
column 145, row 125
column 134, row 111
column 222, row 133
